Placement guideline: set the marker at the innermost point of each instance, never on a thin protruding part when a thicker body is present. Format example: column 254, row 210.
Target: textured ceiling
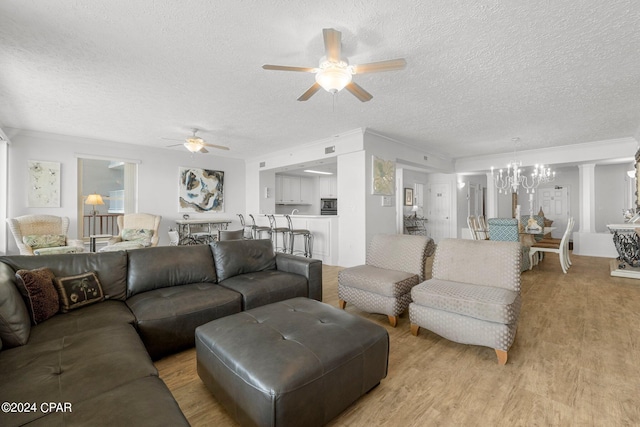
column 479, row 73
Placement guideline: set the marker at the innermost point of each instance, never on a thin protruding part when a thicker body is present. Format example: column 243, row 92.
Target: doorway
column 439, row 211
column 555, row 204
column 115, row 181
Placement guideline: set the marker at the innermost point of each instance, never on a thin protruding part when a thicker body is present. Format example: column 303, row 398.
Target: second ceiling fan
column 334, row 72
column 195, row 144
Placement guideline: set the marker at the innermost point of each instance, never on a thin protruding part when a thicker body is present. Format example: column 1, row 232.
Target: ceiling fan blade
column 287, row 68
column 376, row 67
column 203, row 150
column 332, row 44
column 358, row 92
column 173, row 145
column 310, row 92
column 219, row 147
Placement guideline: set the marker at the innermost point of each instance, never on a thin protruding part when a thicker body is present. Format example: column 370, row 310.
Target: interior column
column 587, row 198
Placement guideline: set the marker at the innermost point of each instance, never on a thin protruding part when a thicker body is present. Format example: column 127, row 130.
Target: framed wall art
column 408, row 196
column 384, row 177
column 44, row 184
column 200, row 190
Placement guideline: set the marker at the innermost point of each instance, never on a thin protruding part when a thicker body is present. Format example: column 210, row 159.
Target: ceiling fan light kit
column 195, row 144
column 333, row 77
column 335, row 73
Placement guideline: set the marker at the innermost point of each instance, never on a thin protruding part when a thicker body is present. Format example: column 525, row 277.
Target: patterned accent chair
column 43, row 234
column 507, row 230
column 478, row 304
column 135, row 231
column 394, row 264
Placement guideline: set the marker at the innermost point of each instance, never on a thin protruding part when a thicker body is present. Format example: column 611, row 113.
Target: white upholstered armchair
column 43, row 234
column 139, row 230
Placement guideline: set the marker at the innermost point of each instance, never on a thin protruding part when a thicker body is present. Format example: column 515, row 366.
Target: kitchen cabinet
column 306, row 191
column 294, row 190
column 328, row 187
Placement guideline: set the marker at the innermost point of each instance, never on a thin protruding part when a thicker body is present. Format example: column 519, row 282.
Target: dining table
column 199, row 231
column 528, row 235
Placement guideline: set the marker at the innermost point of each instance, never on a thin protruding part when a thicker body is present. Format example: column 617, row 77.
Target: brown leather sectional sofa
column 93, row 365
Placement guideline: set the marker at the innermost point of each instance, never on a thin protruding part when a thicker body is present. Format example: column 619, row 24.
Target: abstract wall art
column 384, row 176
column 201, row 190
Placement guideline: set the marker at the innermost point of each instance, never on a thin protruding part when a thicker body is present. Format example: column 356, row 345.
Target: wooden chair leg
column 415, row 329
column 502, row 357
column 393, row 320
column 342, row 303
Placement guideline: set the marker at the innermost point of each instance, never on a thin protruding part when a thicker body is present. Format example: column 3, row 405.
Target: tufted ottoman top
column 294, row 360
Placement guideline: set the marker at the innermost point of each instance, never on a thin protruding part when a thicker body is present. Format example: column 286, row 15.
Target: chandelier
column 514, row 177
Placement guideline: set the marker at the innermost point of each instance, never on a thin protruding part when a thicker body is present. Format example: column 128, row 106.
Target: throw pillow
column 37, row 241
column 39, row 294
column 140, row 235
column 78, row 291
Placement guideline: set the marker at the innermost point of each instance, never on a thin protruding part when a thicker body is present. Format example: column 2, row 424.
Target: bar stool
column 306, row 234
column 244, row 228
column 257, row 230
column 274, row 234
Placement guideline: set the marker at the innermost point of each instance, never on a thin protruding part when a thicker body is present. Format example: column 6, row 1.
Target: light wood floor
column 575, row 362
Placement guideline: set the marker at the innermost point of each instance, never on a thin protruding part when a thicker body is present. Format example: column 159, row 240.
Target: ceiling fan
column 196, row 144
column 334, row 72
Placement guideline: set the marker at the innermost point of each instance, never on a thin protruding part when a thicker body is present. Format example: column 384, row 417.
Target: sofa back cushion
column 234, row 257
column 110, row 267
column 15, row 324
column 166, row 266
column 400, row 252
column 479, row 262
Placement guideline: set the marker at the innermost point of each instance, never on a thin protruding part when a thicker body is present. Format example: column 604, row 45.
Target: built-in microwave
column 328, row 206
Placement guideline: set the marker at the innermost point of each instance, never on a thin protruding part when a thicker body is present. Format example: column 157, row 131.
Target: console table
column 187, row 235
column 627, row 243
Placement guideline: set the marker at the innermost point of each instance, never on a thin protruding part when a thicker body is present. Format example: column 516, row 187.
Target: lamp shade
column 94, row 199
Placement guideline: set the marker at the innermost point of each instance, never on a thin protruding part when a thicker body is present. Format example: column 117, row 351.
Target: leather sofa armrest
column 307, row 267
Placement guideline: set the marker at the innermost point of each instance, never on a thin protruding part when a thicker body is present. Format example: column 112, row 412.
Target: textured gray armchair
column 395, row 263
column 473, row 296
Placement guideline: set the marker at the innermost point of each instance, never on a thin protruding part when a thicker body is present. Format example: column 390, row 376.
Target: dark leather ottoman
column 295, row 362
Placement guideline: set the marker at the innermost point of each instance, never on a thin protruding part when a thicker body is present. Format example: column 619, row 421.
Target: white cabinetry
column 306, row 191
column 294, row 190
column 328, row 187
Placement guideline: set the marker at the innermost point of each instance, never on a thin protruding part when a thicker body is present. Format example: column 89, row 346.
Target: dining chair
column 562, row 249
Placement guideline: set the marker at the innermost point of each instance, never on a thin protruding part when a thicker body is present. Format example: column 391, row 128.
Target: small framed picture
column 408, row 196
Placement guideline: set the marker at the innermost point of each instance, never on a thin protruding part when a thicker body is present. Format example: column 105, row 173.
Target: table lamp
column 94, row 199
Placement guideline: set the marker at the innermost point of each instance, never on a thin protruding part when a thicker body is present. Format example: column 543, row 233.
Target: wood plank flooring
column 575, row 362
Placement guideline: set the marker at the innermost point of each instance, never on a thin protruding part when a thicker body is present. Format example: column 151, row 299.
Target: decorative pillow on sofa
column 78, row 291
column 37, row 241
column 40, row 296
column 140, row 235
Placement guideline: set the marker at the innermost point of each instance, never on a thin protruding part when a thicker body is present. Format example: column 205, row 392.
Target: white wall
column 157, row 177
column 611, row 186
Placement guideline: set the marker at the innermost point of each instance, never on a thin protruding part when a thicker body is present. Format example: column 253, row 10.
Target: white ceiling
column 479, row 72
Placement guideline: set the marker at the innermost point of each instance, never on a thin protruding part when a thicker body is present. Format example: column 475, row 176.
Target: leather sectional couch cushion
column 251, row 268
column 170, row 299
column 168, row 317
